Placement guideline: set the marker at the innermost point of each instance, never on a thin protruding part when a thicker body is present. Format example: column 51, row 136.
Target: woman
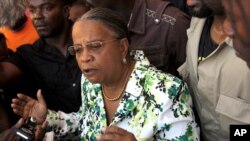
column 122, row 98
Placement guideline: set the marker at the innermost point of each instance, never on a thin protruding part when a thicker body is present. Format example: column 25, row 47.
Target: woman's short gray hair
column 109, row 18
column 11, row 11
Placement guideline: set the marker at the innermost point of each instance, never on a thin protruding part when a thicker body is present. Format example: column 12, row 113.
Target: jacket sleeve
column 64, row 124
column 178, row 40
column 177, row 121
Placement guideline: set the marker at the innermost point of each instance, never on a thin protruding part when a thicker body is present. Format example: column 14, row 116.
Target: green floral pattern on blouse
column 155, row 106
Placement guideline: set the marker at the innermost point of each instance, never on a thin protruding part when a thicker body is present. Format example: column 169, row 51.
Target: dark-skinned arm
column 8, row 71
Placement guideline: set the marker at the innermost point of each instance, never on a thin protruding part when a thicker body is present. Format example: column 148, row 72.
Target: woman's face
column 99, row 63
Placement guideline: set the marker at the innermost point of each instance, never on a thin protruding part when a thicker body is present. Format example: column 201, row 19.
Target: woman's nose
column 85, row 56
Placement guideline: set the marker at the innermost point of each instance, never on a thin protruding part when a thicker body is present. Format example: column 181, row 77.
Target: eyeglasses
column 92, row 47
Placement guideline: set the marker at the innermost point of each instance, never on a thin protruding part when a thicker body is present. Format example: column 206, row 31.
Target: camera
column 27, row 131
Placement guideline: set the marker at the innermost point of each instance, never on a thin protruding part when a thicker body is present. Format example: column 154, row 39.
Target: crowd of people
column 124, row 70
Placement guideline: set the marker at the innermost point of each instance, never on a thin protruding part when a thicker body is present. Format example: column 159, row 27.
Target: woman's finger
column 18, row 101
column 23, row 97
column 40, row 97
column 112, row 133
column 21, row 110
column 114, row 129
column 108, row 137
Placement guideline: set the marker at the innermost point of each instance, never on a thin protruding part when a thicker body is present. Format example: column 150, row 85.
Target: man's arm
column 4, row 121
column 3, row 48
column 178, row 41
column 9, row 73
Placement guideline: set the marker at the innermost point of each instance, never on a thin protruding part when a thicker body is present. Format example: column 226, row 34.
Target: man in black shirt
column 46, row 64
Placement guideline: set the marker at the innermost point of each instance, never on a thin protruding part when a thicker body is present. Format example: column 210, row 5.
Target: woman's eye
column 95, row 45
column 78, row 48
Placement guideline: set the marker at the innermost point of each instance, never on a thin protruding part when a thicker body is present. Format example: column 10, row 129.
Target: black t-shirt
column 58, row 76
column 206, row 45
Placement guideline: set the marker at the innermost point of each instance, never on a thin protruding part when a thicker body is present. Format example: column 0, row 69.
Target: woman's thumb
column 40, row 97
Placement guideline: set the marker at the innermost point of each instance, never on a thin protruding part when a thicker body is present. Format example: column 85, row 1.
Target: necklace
column 124, row 86
column 112, row 99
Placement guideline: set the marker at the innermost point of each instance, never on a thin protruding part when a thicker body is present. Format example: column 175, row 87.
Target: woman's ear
column 124, row 47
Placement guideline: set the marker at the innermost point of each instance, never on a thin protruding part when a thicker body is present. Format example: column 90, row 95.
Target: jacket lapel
column 194, row 34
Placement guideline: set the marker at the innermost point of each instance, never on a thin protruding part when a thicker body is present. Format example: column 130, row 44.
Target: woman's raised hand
column 114, row 133
column 26, row 106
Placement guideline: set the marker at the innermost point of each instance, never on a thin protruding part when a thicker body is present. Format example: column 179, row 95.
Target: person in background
column 123, row 96
column 4, row 118
column 156, row 27
column 15, row 24
column 16, row 29
column 212, row 70
column 3, row 48
column 4, row 121
column 237, row 26
column 78, row 8
column 47, row 63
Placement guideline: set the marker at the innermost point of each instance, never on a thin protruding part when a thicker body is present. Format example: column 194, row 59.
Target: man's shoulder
column 170, row 13
column 177, row 14
column 167, row 8
column 28, row 47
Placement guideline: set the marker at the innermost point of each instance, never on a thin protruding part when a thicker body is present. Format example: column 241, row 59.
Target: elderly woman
column 123, row 96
